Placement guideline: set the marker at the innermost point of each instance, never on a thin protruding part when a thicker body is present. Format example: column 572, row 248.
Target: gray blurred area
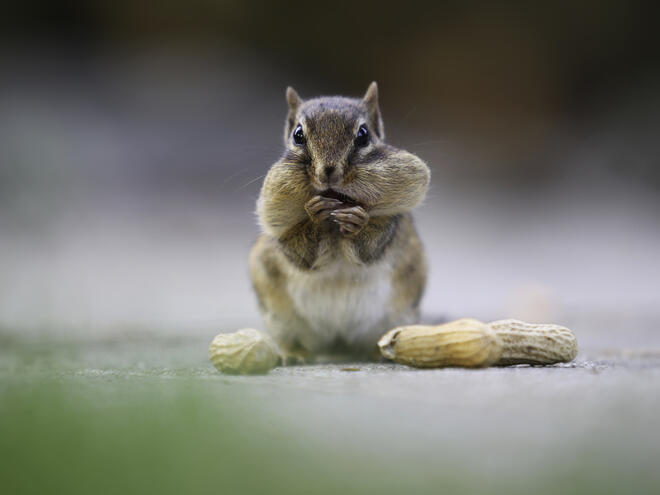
column 129, row 177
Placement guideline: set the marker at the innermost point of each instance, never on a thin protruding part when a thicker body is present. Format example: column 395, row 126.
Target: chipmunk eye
column 362, row 138
column 298, row 136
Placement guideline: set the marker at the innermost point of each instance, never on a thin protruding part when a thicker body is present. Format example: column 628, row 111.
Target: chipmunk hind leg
column 283, row 323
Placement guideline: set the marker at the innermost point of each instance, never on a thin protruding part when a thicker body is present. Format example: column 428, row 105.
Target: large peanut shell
column 464, row 343
column 530, row 343
column 247, row 351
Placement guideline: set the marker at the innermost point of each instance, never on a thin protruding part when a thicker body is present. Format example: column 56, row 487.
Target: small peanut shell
column 247, row 351
column 530, row 343
column 465, row 343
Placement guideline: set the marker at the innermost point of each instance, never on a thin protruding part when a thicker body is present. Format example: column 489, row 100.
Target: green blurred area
column 162, row 431
column 129, row 427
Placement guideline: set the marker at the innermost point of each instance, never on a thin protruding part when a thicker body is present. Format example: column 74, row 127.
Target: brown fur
column 334, row 241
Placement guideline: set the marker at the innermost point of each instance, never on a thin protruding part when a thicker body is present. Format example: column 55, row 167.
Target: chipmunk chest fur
column 341, row 300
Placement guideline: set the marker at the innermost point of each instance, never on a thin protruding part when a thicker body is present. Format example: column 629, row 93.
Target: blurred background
column 134, row 137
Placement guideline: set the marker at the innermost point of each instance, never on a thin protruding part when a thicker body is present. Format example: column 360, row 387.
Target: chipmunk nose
column 328, row 174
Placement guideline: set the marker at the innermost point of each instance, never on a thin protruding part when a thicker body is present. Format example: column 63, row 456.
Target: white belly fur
column 340, row 301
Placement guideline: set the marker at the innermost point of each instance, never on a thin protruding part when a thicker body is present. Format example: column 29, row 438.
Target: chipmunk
column 339, row 261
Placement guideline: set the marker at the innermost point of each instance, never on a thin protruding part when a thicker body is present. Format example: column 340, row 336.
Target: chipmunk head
column 332, row 136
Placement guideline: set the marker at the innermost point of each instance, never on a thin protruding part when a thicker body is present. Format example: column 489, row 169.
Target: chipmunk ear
column 293, row 99
column 294, row 102
column 370, row 100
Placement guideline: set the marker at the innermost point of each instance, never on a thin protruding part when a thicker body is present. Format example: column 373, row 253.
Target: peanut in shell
column 466, row 343
column 532, row 343
column 247, row 351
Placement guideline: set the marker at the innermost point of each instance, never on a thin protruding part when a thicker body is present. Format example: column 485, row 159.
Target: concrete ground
column 590, row 426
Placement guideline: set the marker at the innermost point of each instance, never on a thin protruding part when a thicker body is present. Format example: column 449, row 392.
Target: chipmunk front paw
column 319, row 208
column 351, row 220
